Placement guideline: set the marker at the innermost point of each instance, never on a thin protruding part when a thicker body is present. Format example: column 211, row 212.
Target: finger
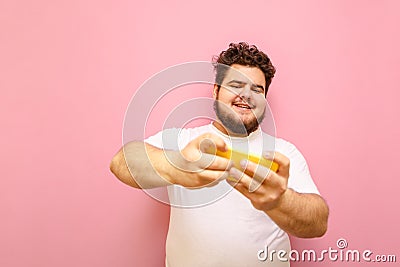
column 266, row 176
column 254, row 170
column 215, row 177
column 282, row 160
column 213, row 162
column 209, row 143
column 257, row 172
column 206, row 179
column 211, row 176
column 248, row 182
column 241, row 188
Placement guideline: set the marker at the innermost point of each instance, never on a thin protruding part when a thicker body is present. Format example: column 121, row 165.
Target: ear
column 215, row 91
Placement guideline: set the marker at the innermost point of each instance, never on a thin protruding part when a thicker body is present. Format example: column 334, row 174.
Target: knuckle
column 250, row 167
column 256, row 203
column 268, row 176
column 199, row 182
column 271, row 198
column 287, row 163
column 284, row 187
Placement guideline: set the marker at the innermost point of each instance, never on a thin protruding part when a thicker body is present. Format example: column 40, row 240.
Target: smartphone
column 237, row 156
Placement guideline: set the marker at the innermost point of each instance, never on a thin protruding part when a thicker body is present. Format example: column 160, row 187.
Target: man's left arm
column 300, row 214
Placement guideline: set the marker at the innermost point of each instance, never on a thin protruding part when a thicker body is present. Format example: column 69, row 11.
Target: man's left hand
column 262, row 186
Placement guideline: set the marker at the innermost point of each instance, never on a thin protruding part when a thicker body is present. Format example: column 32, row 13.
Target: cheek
column 261, row 104
column 226, row 96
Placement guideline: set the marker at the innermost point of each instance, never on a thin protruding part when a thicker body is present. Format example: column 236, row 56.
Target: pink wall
column 69, row 68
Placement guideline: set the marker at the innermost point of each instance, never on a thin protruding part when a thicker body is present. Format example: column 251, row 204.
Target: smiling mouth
column 242, row 105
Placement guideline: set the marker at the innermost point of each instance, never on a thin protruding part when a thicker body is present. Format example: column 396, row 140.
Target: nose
column 245, row 93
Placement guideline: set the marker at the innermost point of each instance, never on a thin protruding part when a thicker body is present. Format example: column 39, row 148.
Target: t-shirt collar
column 251, row 136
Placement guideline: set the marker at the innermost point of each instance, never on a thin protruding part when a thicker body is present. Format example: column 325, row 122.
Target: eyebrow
column 242, row 83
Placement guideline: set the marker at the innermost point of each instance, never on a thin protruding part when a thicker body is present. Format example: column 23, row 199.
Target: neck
column 217, row 124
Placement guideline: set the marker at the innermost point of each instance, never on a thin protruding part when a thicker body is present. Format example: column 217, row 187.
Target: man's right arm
column 141, row 165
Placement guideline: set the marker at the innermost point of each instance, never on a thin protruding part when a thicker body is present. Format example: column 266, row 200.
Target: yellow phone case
column 237, row 156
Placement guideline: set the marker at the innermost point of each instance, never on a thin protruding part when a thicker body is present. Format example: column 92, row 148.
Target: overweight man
column 253, row 209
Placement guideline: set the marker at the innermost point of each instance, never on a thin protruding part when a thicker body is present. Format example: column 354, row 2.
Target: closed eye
column 236, row 84
column 257, row 89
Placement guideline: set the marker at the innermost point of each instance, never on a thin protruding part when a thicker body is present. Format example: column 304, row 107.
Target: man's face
column 241, row 99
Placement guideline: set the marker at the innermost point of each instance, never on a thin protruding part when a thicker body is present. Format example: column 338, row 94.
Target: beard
column 233, row 123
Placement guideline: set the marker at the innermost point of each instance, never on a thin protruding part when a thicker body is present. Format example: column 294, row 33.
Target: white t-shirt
column 218, row 226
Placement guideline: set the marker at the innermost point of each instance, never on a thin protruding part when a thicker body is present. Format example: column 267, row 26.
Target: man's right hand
column 195, row 168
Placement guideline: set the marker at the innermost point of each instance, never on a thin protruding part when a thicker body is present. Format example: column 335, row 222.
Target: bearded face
column 234, row 123
column 240, row 102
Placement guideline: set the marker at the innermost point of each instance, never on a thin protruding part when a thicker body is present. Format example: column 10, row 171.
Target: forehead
column 246, row 74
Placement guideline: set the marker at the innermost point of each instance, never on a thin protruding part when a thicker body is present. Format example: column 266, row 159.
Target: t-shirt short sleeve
column 167, row 139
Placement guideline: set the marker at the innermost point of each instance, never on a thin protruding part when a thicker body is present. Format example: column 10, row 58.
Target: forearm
column 302, row 215
column 142, row 166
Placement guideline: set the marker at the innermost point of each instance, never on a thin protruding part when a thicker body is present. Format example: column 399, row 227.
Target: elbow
column 322, row 225
column 324, row 221
column 316, row 232
column 114, row 165
column 120, row 169
column 317, row 227
column 322, row 229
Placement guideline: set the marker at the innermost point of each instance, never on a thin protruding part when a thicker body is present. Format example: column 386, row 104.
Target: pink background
column 68, row 70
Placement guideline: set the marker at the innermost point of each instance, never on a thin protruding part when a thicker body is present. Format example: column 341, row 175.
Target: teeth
column 242, row 106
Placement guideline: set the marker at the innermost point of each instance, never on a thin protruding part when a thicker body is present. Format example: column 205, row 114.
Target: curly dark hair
column 246, row 55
